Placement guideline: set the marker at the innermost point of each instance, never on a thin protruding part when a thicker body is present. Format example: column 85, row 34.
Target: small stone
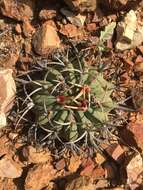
column 77, row 20
column 18, row 29
column 34, row 155
column 7, row 184
column 70, row 31
column 7, row 95
column 91, row 27
column 137, row 131
column 28, row 29
column 75, row 162
column 60, row 164
column 39, row 176
column 18, row 10
column 45, row 39
column 139, row 59
column 134, row 170
column 99, row 159
column 115, row 151
column 82, row 5
column 9, row 168
column 98, row 172
column 46, row 14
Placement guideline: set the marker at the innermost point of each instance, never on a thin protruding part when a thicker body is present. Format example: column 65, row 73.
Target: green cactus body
column 74, row 98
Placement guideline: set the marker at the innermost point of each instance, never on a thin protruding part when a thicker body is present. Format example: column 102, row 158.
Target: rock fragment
column 34, row 155
column 28, row 29
column 134, row 172
column 71, row 31
column 9, row 168
column 46, row 39
column 77, row 20
column 7, row 95
column 82, row 5
column 18, row 9
column 80, row 183
column 46, row 14
column 44, row 172
column 129, row 32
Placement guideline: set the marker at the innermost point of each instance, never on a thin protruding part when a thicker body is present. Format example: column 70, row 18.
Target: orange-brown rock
column 33, row 155
column 9, row 168
column 45, row 39
column 39, row 176
column 18, row 9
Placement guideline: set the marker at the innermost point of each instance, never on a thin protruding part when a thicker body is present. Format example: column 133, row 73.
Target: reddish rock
column 9, row 168
column 60, row 164
column 28, row 29
column 45, row 39
column 88, row 165
column 70, row 31
column 137, row 131
column 18, row 9
column 98, row 172
column 80, row 183
column 91, row 27
column 39, row 176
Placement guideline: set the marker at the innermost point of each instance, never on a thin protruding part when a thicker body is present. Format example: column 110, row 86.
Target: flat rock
column 9, row 168
column 46, row 39
column 18, row 9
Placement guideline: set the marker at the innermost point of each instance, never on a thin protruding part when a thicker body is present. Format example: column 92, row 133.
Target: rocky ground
column 110, row 32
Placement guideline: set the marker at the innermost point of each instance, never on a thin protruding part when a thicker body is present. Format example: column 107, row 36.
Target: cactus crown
column 73, row 100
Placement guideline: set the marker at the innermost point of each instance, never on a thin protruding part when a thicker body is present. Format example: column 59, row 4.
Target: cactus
column 74, row 100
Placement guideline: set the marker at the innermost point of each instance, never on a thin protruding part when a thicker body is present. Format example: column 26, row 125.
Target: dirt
column 34, row 33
